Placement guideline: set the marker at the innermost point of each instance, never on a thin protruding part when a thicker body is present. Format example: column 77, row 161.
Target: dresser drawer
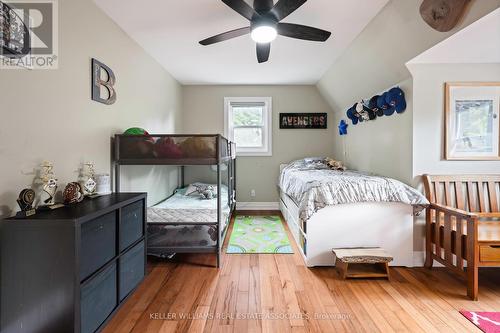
column 132, row 224
column 98, row 299
column 131, row 269
column 489, row 253
column 98, row 243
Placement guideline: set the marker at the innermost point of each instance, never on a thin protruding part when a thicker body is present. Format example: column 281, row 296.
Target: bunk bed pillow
column 190, row 190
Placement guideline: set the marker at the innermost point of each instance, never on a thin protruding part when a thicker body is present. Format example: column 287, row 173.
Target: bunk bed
column 183, row 223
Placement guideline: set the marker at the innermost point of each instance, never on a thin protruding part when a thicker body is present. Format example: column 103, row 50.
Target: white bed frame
column 369, row 224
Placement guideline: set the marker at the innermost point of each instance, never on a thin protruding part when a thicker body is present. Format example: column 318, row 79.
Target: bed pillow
column 313, row 159
column 190, row 190
column 205, row 191
column 310, row 163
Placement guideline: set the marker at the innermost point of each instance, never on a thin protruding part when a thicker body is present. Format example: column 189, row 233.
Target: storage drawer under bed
column 292, row 208
column 297, row 233
column 489, row 253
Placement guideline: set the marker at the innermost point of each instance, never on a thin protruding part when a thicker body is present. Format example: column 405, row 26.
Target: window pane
column 248, row 137
column 247, row 116
column 474, row 126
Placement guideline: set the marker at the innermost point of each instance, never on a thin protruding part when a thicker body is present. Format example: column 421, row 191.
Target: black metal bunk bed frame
column 224, row 153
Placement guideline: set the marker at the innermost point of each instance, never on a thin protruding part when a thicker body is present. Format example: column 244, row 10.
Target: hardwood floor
column 277, row 293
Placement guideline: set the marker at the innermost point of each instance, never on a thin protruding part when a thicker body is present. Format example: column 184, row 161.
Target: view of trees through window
column 248, row 126
column 247, row 116
column 474, row 125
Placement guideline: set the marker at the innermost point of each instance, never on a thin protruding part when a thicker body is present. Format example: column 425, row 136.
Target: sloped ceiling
column 376, row 59
column 170, row 30
column 477, row 43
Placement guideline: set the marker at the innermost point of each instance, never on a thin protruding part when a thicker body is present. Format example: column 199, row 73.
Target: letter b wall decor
column 98, row 81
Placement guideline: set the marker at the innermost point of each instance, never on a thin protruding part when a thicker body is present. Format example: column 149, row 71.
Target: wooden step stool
column 362, row 262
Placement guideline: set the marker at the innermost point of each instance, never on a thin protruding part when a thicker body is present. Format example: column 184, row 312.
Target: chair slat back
column 473, row 193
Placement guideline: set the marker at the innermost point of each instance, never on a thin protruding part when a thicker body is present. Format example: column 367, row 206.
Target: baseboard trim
column 257, row 206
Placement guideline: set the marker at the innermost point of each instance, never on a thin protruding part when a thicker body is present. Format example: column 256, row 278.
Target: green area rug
column 258, row 234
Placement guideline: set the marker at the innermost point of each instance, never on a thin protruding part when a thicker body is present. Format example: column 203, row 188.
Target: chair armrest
column 453, row 211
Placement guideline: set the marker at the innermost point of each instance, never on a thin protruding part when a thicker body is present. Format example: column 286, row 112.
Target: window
column 248, row 122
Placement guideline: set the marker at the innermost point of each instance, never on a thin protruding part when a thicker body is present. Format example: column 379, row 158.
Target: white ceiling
column 463, row 46
column 169, row 30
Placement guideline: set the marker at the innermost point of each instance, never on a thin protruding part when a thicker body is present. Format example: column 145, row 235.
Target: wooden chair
column 463, row 224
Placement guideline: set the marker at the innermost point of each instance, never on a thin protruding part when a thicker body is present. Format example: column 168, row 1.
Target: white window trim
column 268, row 117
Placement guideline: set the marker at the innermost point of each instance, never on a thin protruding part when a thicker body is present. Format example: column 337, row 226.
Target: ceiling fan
column 265, row 25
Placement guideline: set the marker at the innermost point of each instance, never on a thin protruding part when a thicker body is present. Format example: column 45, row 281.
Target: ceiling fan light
column 264, row 34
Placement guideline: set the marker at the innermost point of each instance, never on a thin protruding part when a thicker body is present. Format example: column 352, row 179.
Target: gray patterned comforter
column 312, row 185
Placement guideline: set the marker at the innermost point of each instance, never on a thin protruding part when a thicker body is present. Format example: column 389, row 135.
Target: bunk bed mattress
column 187, row 208
column 164, row 230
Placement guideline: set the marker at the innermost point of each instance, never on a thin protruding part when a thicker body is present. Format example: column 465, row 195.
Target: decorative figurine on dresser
column 88, row 180
column 49, row 184
column 70, row 269
column 25, row 202
column 73, row 193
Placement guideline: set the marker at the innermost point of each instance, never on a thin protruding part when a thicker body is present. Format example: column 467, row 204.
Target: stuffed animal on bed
column 335, row 165
column 166, row 147
column 198, row 147
column 204, row 190
column 207, row 193
column 138, row 144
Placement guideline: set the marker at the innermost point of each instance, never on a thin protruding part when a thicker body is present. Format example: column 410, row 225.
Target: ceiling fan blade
column 285, row 7
column 303, row 32
column 225, row 36
column 263, row 51
column 263, row 6
column 241, row 7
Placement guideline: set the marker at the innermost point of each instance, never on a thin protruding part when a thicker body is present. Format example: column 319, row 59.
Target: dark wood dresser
column 69, row 270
